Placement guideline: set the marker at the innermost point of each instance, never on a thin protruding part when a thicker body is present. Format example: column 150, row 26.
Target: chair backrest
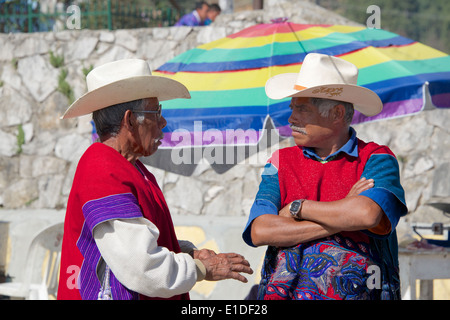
column 44, row 254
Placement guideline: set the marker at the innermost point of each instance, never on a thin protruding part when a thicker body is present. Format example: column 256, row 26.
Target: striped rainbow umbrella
column 226, row 78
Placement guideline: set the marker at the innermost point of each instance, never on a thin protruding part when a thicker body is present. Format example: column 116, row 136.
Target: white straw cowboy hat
column 123, row 81
column 328, row 77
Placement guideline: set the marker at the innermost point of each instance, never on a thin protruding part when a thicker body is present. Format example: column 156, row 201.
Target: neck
column 337, row 141
column 120, row 146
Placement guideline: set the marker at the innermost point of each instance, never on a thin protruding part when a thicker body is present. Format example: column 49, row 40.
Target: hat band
column 298, row 87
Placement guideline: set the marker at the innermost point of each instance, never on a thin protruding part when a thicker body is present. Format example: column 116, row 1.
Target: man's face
column 212, row 15
column 148, row 133
column 309, row 128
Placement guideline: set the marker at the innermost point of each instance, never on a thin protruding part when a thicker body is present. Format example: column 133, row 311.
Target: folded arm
column 279, row 231
column 354, row 212
column 318, row 219
column 372, row 209
column 349, row 214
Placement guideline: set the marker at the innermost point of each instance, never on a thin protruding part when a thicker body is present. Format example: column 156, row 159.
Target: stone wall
column 39, row 152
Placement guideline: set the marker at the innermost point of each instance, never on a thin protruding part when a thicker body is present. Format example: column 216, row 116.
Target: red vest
column 303, row 178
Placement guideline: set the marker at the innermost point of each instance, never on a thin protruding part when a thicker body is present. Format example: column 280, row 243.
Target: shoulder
column 188, row 19
column 100, row 155
column 101, row 162
column 96, row 150
column 377, row 157
column 101, row 172
column 285, row 154
column 288, row 151
column 367, row 149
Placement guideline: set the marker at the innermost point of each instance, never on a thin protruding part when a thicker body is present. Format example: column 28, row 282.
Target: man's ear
column 128, row 121
column 338, row 112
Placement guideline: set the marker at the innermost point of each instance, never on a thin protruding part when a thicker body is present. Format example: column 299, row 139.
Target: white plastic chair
column 40, row 277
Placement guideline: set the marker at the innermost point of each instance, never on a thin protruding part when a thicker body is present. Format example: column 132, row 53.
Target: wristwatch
column 295, row 208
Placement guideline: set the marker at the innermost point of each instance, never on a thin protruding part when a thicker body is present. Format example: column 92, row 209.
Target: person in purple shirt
column 196, row 17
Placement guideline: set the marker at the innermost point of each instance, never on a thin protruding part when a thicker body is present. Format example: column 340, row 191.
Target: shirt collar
column 197, row 16
column 350, row 148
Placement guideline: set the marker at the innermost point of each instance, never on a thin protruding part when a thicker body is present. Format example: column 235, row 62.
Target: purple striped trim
column 87, row 280
column 120, row 206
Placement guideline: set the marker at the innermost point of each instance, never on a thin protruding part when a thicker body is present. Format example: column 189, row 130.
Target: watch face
column 295, row 206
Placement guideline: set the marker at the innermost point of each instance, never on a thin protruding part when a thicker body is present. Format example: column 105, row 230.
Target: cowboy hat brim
column 126, row 90
column 364, row 100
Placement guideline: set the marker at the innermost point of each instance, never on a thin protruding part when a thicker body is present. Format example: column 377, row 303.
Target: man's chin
column 152, row 151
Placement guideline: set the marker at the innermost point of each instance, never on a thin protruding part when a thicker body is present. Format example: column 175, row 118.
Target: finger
column 238, row 276
column 242, row 268
column 239, row 260
column 367, row 184
column 364, row 183
column 233, row 256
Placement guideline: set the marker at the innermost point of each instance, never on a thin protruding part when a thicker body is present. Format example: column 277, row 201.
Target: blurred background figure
column 196, row 17
column 213, row 11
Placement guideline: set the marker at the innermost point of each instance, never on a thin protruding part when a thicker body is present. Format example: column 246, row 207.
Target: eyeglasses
column 157, row 112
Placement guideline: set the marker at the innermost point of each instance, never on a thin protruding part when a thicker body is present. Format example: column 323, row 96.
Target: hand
column 226, row 266
column 202, row 254
column 361, row 185
column 284, row 212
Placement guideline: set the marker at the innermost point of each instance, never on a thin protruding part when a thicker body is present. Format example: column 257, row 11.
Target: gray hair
column 325, row 105
column 107, row 120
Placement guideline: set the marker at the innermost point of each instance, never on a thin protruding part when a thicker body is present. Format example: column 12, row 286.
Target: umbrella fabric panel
column 372, row 56
column 380, row 72
column 250, row 117
column 226, row 77
column 351, row 52
column 220, row 81
column 402, row 69
column 220, row 99
column 221, row 123
column 439, row 91
column 276, row 52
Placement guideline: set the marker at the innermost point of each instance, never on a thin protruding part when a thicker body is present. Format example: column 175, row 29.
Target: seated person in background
column 213, row 11
column 196, row 17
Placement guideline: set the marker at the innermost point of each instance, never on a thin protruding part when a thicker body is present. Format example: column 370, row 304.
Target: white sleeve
column 129, row 247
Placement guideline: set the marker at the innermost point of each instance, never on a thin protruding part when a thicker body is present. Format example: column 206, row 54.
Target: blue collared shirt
column 351, row 148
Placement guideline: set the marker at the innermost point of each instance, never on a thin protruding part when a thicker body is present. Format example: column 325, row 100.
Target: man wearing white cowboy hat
column 119, row 240
column 328, row 207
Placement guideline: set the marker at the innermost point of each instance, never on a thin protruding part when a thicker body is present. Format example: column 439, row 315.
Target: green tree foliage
column 421, row 20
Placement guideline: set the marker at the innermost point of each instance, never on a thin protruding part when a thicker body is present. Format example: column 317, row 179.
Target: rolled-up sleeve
column 387, row 191
column 267, row 200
